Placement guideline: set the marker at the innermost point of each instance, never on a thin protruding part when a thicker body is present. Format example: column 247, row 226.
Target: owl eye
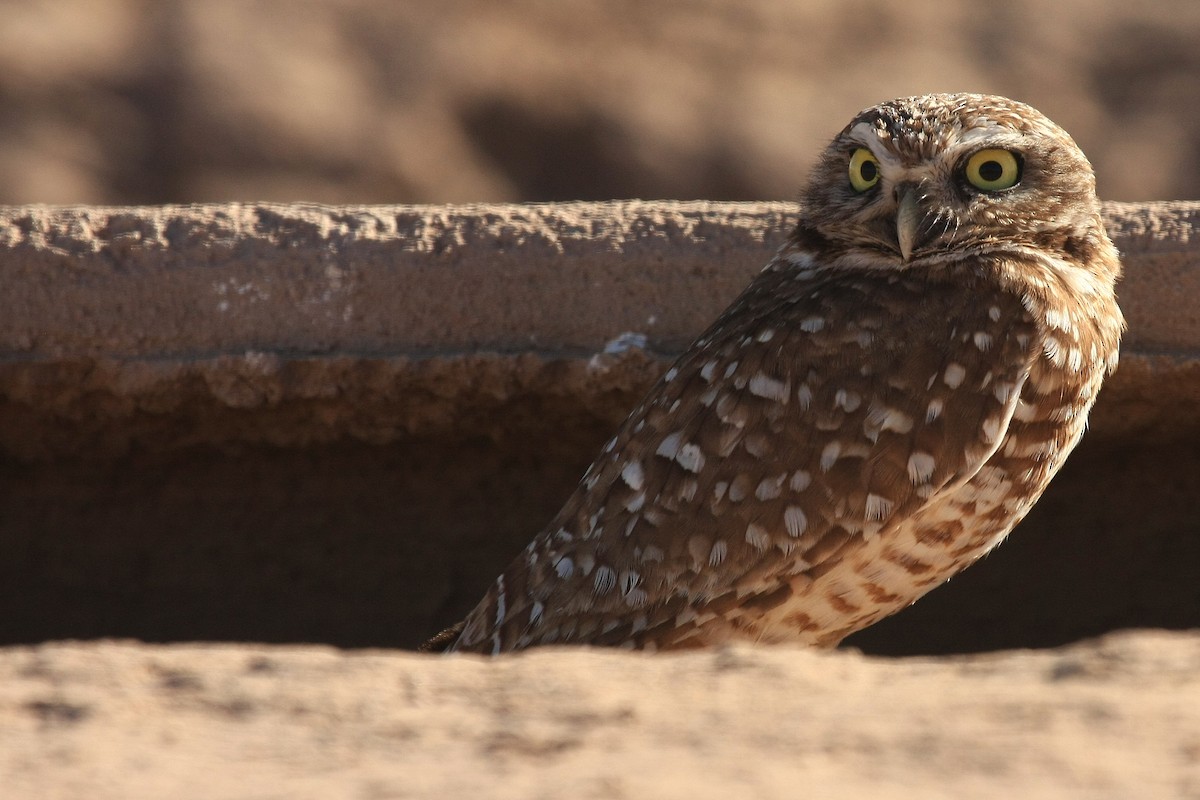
column 993, row 170
column 864, row 170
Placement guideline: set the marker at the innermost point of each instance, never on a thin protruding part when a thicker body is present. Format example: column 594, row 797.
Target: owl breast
column 1071, row 352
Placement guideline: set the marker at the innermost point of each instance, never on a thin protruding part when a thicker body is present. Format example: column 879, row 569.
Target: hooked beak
column 908, row 218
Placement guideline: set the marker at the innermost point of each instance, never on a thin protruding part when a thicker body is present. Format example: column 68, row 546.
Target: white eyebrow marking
column 998, row 136
column 867, row 135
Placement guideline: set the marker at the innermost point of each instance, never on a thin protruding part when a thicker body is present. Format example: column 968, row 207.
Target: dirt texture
column 168, row 101
column 284, row 425
column 1106, row 719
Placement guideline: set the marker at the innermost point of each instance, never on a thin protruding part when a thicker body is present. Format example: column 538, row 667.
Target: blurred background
column 370, row 101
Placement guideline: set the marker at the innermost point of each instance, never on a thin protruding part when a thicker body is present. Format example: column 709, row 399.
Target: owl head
column 932, row 179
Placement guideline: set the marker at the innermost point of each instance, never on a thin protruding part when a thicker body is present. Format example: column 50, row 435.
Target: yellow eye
column 993, row 170
column 864, row 170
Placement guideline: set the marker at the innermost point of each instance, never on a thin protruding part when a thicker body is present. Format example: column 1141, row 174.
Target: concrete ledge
column 198, row 281
column 302, row 423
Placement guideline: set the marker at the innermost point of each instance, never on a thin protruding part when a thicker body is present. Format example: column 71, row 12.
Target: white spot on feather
column 829, row 455
column 690, row 458
column 805, row 396
column 669, row 446
column 1059, row 319
column 1025, row 412
column 888, row 419
column 652, row 554
column 636, row 598
column 795, row 520
column 878, row 507
column 954, row 375
column 799, row 259
column 812, row 324
column 770, row 488
column 847, row 400
column 1054, row 351
column 757, row 445
column 717, row 555
column 633, row 475
column 769, row 388
column 920, row 467
column 738, row 489
column 757, row 536
column 565, row 567
column 605, row 579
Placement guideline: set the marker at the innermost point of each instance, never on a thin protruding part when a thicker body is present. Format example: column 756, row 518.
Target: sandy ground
column 1113, row 718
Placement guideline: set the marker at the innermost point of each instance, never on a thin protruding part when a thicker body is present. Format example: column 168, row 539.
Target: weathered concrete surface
column 1113, row 719
column 200, row 281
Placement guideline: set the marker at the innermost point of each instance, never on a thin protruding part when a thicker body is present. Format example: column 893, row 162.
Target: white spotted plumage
column 882, row 404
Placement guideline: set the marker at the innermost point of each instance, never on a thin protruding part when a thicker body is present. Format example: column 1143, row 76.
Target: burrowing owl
column 876, row 411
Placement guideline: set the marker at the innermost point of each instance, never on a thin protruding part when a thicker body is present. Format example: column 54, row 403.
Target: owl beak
column 908, row 218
